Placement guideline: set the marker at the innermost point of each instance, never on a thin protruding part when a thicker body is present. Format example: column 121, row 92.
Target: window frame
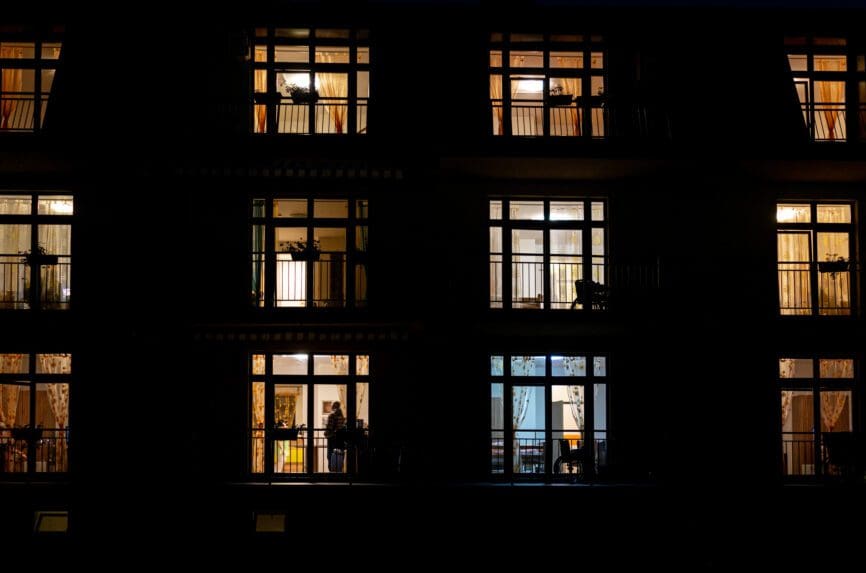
column 356, row 255
column 272, row 101
column 505, row 275
column 36, row 439
column 38, row 64
column 816, row 274
column 590, row 117
column 312, row 440
column 546, row 381
column 33, row 220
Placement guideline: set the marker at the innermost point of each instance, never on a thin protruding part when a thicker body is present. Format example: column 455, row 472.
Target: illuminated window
column 815, row 388
column 310, row 80
column 27, row 68
column 309, row 252
column 547, row 85
column 815, row 244
column 548, row 413
column 309, row 413
column 822, row 69
column 35, row 250
column 34, row 413
column 548, row 254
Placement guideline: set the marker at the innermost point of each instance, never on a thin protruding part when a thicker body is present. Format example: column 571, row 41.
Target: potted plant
column 556, row 97
column 302, row 94
column 40, row 257
column 833, row 266
column 302, row 250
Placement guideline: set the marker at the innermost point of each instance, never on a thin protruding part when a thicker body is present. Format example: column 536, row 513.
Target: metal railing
column 17, row 112
column 807, row 288
column 529, row 448
column 328, row 282
column 569, row 288
column 15, row 283
column 38, row 450
column 798, row 454
column 826, row 121
column 327, row 117
column 297, row 451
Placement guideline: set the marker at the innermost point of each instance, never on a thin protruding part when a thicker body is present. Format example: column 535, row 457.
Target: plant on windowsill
column 40, row 257
column 302, row 250
column 838, row 265
column 302, row 94
column 556, row 97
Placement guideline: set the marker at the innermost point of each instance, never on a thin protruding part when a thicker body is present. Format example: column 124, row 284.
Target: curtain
column 520, row 406
column 572, row 86
column 575, row 366
column 832, row 95
column 55, row 278
column 258, row 427
column 786, row 407
column 335, row 86
column 58, row 394
column 11, row 80
column 794, row 257
column 261, row 86
column 10, row 364
column 832, row 406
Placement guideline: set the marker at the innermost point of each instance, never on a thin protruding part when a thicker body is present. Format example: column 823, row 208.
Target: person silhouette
column 336, row 422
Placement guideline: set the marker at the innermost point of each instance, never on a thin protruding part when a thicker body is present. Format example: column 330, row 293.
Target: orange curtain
column 261, row 86
column 831, row 93
column 335, row 86
column 11, row 80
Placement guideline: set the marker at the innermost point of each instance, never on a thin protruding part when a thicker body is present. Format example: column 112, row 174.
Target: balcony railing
column 38, row 450
column 569, row 288
column 296, row 451
column 15, row 283
column 17, row 111
column 798, row 454
column 528, row 452
column 323, row 117
column 808, row 288
column 328, row 286
column 826, row 121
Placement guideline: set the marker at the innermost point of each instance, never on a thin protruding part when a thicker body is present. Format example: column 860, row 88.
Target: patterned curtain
column 335, row 86
column 786, row 406
column 832, row 406
column 258, row 424
column 10, row 364
column 58, row 394
column 575, row 366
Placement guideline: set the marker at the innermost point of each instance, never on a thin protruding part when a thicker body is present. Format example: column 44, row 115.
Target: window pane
column 290, row 208
column 14, row 363
column 331, row 365
column 52, row 407
column 331, row 208
column 527, row 210
column 363, row 88
column 527, row 407
column 56, row 239
column 836, row 368
column 362, row 405
column 496, row 366
column 526, row 59
column 830, row 63
column 597, row 60
column 497, row 407
column 834, row 213
column 363, row 56
column 526, row 37
column 597, row 241
column 332, row 55
column 566, row 242
column 55, row 205
column 290, row 411
column 568, row 365
column 495, row 58
column 14, row 239
column 362, row 207
column 788, row 213
column 567, row 412
column 258, row 364
column 290, row 363
column 796, row 368
column 257, row 420
column 17, row 50
column 836, row 411
column 291, row 32
column 296, row 54
column 495, row 239
column 566, row 211
column 599, row 366
column 362, row 365
column 528, row 365
column 496, row 210
column 798, row 62
column 53, row 363
column 333, row 85
column 566, row 60
column 332, row 33
column 15, row 205
column 597, row 211
column 599, row 403
column 524, row 241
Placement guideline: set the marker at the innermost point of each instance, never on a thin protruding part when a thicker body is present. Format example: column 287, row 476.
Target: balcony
column 38, row 450
column 299, row 451
column 816, row 288
column 16, row 288
column 324, row 117
column 529, row 453
column 17, row 112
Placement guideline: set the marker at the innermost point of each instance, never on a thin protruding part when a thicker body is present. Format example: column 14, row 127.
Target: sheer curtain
column 10, row 364
column 832, row 96
column 58, row 393
column 335, row 86
column 261, row 86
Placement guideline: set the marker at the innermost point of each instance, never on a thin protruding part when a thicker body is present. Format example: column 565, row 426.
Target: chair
column 572, row 458
column 589, row 292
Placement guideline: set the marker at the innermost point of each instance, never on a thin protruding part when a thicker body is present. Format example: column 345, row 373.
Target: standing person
column 336, row 422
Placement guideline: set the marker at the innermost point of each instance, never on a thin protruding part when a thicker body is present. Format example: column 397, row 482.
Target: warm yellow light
column 792, row 214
